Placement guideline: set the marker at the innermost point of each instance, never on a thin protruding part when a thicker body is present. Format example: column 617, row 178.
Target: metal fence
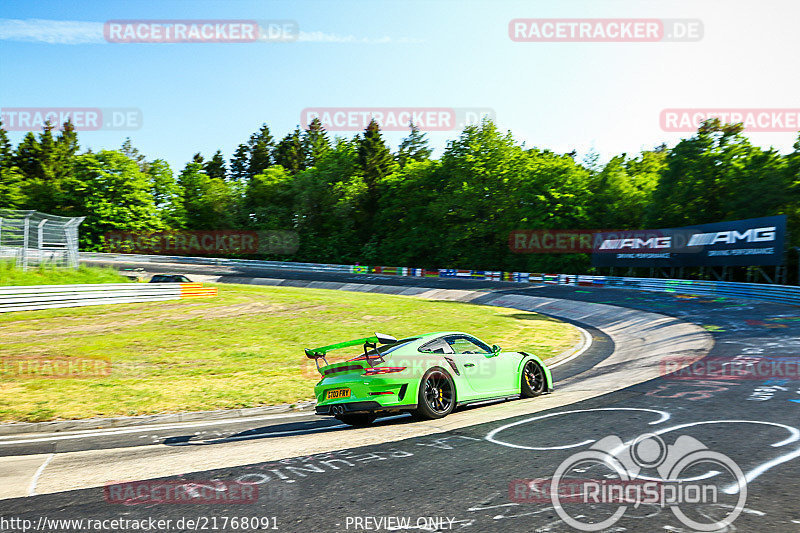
column 788, row 294
column 239, row 263
column 757, row 291
column 32, row 297
column 31, row 238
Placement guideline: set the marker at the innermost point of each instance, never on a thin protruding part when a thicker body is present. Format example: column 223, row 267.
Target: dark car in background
column 170, row 278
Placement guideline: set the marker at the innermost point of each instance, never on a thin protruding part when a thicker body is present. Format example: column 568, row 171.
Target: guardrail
column 757, row 291
column 33, row 297
column 788, row 294
column 242, row 263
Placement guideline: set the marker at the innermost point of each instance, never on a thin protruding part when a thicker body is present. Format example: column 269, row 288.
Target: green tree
column 290, row 153
column 66, row 148
column 414, row 147
column 6, row 150
column 215, row 167
column 325, row 206
column 26, row 156
column 114, row 195
column 793, row 199
column 206, row 201
column 240, row 164
column 11, row 177
column 166, row 193
column 261, row 146
column 315, row 143
column 47, row 156
column 269, row 199
column 623, row 189
column 718, row 175
column 375, row 163
column 134, row 154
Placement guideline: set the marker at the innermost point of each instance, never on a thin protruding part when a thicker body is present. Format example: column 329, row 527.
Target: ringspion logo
column 686, row 476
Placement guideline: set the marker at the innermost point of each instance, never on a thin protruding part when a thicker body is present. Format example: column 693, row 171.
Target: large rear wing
column 369, row 343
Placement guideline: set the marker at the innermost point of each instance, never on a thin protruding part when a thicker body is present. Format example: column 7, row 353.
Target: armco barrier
column 32, row 297
column 756, row 291
column 242, row 263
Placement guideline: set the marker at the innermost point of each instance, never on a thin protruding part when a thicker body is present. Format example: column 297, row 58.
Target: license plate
column 337, row 393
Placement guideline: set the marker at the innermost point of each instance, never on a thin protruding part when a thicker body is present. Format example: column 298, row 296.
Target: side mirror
column 495, row 351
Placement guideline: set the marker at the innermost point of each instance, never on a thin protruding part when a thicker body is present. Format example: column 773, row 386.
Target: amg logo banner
column 637, row 243
column 730, row 237
column 755, row 241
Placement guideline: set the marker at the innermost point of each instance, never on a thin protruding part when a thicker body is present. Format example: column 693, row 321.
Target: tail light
column 383, row 370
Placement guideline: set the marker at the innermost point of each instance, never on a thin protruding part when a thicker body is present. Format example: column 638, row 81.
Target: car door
column 461, row 368
column 479, row 364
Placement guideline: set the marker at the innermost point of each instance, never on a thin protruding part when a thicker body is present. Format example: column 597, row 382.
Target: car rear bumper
column 359, row 407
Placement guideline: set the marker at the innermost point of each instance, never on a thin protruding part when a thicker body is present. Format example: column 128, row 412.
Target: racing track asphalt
column 463, row 476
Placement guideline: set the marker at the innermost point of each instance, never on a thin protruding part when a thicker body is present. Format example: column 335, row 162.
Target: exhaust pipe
column 337, row 410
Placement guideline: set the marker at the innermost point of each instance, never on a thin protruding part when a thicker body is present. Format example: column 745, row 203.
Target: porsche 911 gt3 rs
column 426, row 375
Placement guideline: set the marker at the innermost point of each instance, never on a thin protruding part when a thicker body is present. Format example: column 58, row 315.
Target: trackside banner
column 755, row 241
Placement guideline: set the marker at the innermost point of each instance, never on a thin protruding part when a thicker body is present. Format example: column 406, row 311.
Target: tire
column 357, row 420
column 533, row 381
column 436, row 397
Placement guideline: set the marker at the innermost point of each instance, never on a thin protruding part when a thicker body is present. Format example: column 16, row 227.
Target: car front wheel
column 533, row 381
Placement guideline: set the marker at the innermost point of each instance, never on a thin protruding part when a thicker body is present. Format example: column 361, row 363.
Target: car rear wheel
column 437, row 395
column 357, row 420
column 533, row 381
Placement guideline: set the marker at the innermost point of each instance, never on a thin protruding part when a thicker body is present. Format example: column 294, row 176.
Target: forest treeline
column 358, row 200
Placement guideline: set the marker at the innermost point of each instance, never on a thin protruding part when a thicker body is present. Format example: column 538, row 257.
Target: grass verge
column 49, row 275
column 243, row 348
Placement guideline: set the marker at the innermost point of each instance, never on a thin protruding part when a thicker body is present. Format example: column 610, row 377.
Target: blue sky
column 561, row 96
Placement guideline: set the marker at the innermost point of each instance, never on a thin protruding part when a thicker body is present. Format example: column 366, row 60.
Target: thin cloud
column 83, row 32
column 51, row 31
column 322, row 37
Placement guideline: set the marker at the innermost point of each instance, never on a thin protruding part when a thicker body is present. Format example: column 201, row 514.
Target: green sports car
column 426, row 375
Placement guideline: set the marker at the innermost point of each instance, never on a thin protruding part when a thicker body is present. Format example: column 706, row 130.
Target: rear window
column 436, row 346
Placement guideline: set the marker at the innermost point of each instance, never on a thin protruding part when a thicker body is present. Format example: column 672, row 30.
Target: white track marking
column 35, row 480
column 122, row 431
column 754, row 473
column 587, row 343
column 491, row 435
